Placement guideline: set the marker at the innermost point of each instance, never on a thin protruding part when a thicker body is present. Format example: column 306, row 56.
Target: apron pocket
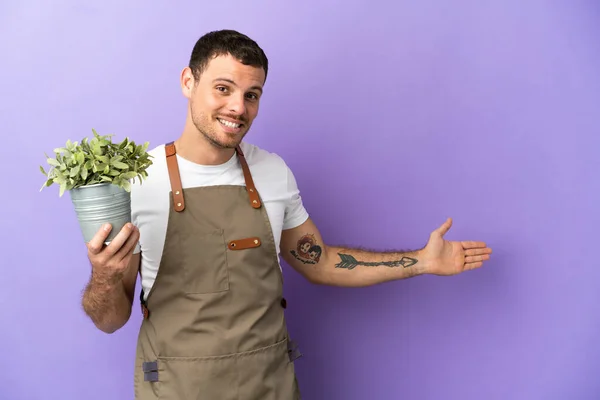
column 262, row 374
column 267, row 374
column 205, row 267
column 182, row 378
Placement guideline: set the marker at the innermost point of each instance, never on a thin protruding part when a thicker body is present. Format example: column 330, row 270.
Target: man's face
column 224, row 101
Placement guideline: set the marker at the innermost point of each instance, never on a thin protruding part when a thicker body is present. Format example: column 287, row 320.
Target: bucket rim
column 93, row 185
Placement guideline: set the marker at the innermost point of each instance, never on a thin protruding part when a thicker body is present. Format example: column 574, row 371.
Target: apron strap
column 177, row 189
column 173, row 167
column 254, row 199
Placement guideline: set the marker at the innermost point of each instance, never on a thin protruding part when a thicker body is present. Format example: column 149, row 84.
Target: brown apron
column 214, row 325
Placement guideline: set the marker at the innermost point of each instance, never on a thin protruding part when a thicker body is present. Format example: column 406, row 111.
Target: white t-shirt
column 150, row 200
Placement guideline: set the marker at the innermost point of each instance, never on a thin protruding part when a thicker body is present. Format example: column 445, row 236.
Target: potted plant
column 98, row 174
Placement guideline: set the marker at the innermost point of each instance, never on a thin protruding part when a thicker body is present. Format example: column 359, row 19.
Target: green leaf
column 43, row 171
column 129, row 175
column 60, row 179
column 120, row 165
column 46, row 184
column 97, row 149
column 80, row 157
column 126, row 185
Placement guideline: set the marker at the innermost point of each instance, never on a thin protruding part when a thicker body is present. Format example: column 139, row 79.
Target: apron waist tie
column 150, row 369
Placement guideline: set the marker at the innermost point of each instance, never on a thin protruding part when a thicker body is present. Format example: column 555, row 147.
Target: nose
column 237, row 104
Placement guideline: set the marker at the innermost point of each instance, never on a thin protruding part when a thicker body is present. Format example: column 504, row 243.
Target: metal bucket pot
column 98, row 204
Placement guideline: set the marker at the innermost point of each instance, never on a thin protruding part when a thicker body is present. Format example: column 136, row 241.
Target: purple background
column 393, row 116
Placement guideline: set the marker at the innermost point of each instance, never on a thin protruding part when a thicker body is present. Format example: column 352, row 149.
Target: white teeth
column 229, row 124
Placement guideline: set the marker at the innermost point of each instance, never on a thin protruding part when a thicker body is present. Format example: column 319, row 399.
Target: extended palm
column 449, row 258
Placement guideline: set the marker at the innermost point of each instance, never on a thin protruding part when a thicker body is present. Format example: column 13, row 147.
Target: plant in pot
column 98, row 175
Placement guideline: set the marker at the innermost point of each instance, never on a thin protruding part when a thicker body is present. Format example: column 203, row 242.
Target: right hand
column 111, row 262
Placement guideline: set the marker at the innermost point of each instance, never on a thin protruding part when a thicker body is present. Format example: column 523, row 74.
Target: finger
column 127, row 249
column 472, row 244
column 97, row 243
column 472, row 259
column 478, row 251
column 445, row 227
column 119, row 240
column 473, row 265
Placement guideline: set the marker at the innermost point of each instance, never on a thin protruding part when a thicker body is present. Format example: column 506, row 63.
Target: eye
column 222, row 89
column 252, row 96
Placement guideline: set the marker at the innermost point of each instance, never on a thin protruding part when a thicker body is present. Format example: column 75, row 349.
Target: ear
column 187, row 82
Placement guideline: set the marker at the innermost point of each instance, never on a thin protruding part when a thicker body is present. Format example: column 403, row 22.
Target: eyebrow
column 233, row 83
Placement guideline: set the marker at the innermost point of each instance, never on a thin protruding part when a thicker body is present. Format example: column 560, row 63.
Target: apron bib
column 214, row 325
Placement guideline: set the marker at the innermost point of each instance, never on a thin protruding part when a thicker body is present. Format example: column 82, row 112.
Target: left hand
column 450, row 258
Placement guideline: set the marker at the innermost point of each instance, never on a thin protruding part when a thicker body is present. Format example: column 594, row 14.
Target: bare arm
column 303, row 248
column 108, row 296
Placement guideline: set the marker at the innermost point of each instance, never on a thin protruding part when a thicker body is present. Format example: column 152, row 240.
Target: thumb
column 445, row 227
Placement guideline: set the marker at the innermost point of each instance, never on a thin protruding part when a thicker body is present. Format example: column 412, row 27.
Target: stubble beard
column 206, row 127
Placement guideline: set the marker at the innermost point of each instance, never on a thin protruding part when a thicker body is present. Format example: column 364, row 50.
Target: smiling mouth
column 229, row 124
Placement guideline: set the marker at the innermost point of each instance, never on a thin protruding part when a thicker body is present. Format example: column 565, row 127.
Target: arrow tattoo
column 349, row 262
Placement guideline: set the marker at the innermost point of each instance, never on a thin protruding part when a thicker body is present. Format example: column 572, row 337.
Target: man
column 211, row 220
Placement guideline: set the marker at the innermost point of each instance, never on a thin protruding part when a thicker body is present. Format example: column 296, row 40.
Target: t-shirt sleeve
column 138, row 248
column 135, row 213
column 295, row 213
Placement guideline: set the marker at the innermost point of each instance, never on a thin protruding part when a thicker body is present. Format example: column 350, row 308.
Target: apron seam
column 224, row 356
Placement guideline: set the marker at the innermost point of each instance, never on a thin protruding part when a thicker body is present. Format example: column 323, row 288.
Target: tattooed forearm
column 349, row 262
column 331, row 265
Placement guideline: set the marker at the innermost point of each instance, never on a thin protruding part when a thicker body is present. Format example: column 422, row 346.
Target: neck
column 194, row 147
